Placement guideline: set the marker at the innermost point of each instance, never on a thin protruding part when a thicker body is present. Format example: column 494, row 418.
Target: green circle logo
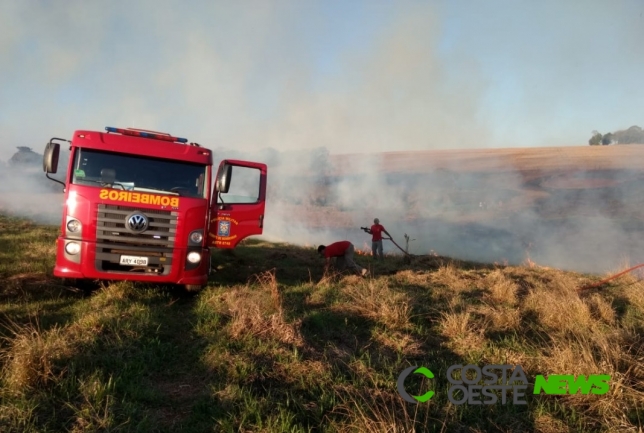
column 401, row 384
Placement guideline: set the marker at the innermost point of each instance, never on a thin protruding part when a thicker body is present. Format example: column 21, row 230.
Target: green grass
column 273, row 345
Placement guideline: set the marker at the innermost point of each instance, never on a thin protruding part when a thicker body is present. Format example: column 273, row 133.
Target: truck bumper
column 83, row 265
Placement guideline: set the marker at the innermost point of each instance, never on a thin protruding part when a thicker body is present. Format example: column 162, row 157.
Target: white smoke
column 296, row 77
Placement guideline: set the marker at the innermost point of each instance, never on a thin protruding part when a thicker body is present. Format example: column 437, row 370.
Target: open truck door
column 238, row 201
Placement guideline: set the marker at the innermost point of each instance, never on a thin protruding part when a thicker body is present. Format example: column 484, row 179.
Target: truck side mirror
column 50, row 158
column 223, row 179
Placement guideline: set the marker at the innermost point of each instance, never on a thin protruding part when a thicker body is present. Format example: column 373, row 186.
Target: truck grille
column 113, row 239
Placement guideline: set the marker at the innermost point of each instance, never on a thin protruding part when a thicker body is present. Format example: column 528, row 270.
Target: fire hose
column 610, row 278
column 405, row 252
column 365, row 229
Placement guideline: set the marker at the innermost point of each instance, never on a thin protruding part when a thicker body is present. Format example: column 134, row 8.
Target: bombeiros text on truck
column 141, row 205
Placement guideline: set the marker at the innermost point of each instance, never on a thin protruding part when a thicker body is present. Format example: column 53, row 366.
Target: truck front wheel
column 193, row 288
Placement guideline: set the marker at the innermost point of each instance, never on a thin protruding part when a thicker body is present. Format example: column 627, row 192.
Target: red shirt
column 376, row 231
column 336, row 249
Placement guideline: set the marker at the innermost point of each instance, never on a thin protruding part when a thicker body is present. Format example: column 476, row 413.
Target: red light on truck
column 145, row 134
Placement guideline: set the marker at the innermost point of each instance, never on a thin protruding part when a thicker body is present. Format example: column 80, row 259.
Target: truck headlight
column 72, row 248
column 196, row 237
column 194, row 257
column 74, row 226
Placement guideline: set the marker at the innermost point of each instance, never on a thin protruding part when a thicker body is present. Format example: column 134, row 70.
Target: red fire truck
column 141, row 205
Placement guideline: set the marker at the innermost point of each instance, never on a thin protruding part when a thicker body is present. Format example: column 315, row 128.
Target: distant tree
column 25, row 156
column 633, row 135
column 607, row 138
column 596, row 139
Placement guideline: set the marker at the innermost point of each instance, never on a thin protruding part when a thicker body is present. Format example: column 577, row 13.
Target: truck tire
column 193, row 288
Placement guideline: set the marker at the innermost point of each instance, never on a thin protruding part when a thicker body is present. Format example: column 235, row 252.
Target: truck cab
column 146, row 206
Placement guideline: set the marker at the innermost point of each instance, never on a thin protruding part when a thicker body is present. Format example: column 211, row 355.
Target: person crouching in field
column 343, row 251
column 376, row 231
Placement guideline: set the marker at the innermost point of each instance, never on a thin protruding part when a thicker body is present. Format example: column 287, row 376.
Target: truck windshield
column 138, row 173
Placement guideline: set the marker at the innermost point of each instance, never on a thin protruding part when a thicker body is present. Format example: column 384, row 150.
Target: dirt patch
column 30, row 280
column 33, row 284
column 179, row 394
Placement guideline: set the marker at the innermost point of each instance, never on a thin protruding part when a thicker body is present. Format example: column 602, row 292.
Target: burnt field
column 578, row 208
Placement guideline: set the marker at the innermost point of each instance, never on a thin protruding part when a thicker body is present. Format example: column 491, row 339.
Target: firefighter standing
column 376, row 231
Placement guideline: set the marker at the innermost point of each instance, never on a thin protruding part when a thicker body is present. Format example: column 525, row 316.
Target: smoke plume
column 317, row 90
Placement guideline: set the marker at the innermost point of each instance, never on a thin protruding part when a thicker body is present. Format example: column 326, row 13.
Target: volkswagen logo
column 137, row 223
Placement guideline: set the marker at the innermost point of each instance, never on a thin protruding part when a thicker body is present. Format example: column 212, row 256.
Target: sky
column 351, row 76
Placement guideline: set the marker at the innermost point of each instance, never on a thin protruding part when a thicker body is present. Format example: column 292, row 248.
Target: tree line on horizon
column 632, row 135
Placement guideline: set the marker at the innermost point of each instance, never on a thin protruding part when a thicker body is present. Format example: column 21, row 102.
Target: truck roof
column 143, row 145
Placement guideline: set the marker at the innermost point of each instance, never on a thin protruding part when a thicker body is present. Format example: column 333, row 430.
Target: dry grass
column 257, row 311
column 546, row 423
column 465, row 334
column 32, row 355
column 282, row 352
column 500, row 288
column 559, row 307
column 600, row 353
column 268, row 281
column 410, row 277
column 376, row 300
column 601, row 309
column 406, row 344
column 456, row 325
column 375, row 411
column 450, row 277
column 578, row 335
column 634, row 294
column 502, row 319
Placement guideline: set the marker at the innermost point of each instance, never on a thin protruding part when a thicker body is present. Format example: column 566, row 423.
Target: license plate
column 134, row 261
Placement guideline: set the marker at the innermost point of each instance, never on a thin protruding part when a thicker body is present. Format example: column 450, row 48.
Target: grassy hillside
column 273, row 345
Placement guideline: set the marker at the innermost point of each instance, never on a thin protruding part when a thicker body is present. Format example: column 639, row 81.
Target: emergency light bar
column 146, row 134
